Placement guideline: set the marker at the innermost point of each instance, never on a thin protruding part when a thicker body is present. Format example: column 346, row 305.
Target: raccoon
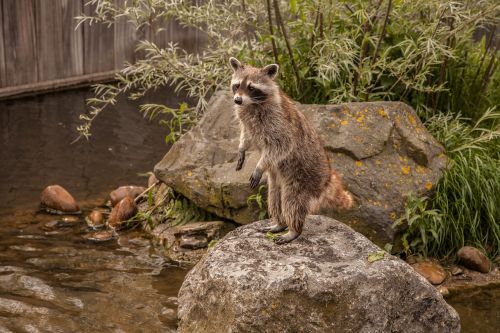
column 300, row 179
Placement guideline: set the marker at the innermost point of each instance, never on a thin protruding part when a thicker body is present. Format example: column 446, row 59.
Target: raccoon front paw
column 241, row 160
column 255, row 178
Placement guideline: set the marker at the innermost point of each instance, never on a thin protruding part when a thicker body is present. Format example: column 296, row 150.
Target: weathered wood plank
column 73, row 39
column 98, row 46
column 19, row 41
column 125, row 39
column 3, row 77
column 55, row 85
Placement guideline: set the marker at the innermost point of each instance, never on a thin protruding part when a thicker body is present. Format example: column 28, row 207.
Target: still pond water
column 53, row 280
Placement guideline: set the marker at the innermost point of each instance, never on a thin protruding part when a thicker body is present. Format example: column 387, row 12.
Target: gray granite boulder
column 331, row 279
column 381, row 148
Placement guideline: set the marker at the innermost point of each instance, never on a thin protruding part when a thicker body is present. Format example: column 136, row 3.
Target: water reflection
column 51, row 279
column 35, row 148
column 55, row 281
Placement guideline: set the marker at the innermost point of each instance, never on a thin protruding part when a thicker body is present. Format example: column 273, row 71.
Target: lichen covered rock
column 321, row 282
column 381, row 149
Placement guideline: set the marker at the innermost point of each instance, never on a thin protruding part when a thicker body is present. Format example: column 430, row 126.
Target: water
column 479, row 310
column 55, row 280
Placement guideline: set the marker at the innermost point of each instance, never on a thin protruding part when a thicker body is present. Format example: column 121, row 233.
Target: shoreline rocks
column 321, row 282
column 95, row 219
column 56, row 199
column 189, row 242
column 124, row 210
column 125, row 191
column 474, row 259
column 432, row 271
column 381, row 149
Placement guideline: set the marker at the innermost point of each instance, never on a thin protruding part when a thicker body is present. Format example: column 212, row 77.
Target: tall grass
column 465, row 209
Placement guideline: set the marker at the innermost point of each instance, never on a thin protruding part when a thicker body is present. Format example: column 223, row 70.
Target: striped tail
column 335, row 196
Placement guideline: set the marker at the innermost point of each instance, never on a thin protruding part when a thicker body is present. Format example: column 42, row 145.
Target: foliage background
column 425, row 53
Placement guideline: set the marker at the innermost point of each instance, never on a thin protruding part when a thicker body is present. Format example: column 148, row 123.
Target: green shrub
column 465, row 209
column 419, row 52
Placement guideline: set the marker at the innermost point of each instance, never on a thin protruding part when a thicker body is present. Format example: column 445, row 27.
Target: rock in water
column 56, row 199
column 123, row 211
column 381, row 148
column 125, row 191
column 474, row 259
column 321, row 282
column 433, row 272
column 188, row 243
column 95, row 219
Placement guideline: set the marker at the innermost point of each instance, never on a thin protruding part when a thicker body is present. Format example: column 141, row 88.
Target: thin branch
column 367, row 29
column 382, row 33
column 271, row 32
column 247, row 34
column 287, row 39
column 314, row 29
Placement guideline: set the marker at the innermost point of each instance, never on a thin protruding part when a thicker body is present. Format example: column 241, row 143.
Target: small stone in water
column 56, row 199
column 70, row 219
column 474, row 259
column 193, row 242
column 101, row 236
column 95, row 219
column 56, row 224
column 443, row 291
column 123, row 211
column 432, row 271
column 125, row 191
column 52, row 225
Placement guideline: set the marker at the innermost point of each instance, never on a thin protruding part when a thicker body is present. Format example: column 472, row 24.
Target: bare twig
column 287, row 39
column 315, row 26
column 271, row 32
column 247, row 33
column 367, row 29
column 146, row 191
column 382, row 33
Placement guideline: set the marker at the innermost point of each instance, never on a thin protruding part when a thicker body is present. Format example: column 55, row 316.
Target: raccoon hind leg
column 295, row 207
column 274, row 205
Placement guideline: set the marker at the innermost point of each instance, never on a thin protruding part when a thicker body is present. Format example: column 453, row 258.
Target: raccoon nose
column 238, row 100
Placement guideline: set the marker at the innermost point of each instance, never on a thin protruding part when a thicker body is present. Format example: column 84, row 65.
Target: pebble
column 125, row 191
column 433, row 272
column 55, row 199
column 95, row 219
column 101, row 236
column 473, row 258
column 123, row 211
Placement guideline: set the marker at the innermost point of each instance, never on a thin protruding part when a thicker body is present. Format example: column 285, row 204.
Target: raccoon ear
column 235, row 64
column 271, row 70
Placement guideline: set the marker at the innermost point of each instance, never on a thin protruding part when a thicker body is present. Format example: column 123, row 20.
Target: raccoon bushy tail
column 335, row 196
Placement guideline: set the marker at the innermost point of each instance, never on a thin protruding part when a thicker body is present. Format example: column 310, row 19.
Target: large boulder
column 327, row 280
column 381, row 148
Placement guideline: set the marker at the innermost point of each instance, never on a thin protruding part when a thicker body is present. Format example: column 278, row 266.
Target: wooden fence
column 40, row 49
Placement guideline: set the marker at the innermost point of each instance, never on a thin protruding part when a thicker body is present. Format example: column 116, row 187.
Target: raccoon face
column 252, row 85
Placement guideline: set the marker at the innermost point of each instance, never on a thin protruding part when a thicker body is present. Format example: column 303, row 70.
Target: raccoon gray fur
column 300, row 179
